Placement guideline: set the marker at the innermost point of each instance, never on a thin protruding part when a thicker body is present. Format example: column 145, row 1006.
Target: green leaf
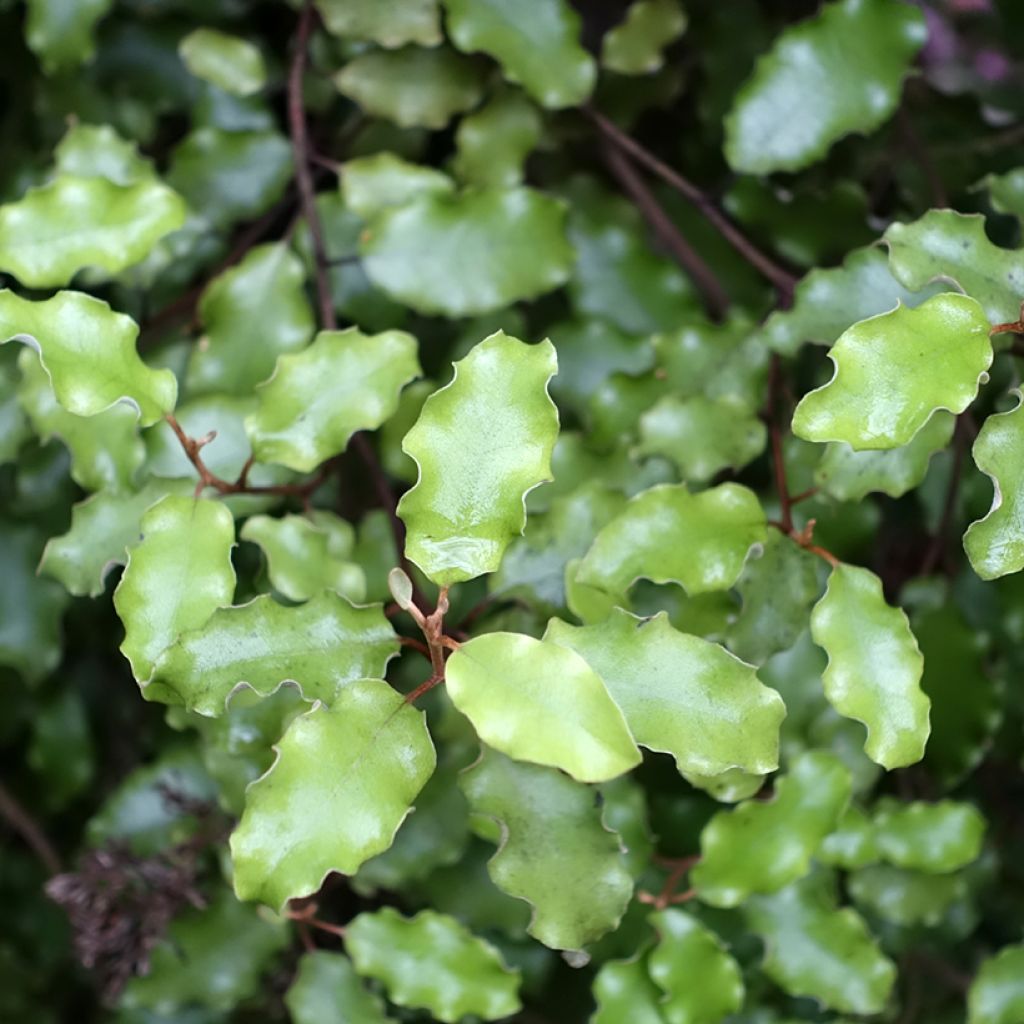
column 327, row 990
column 410, row 405
column 555, row 852
column 227, row 61
column 996, row 995
column 894, row 370
column 874, row 669
column 460, row 255
column 624, row 991
column 540, row 702
column 994, row 544
column 635, row 45
column 106, row 449
column 251, row 314
column 102, row 528
column 814, row 949
column 212, row 957
column 323, row 646
column 680, row 694
column 415, row 87
column 89, row 352
column 317, row 399
column 538, row 49
column 701, row 436
column 60, row 32
column 361, row 761
column 492, row 143
column 839, row 72
column 852, row 845
column 906, row 898
column 389, row 23
column 76, row 223
column 1006, row 191
column 432, row 962
column 937, row 838
column 668, row 535
column 849, row 475
column 176, row 577
column 702, row 982
column 949, row 246
column 729, row 787
column 481, row 444
column 762, row 846
column 306, row 555
column 62, row 753
column 96, row 150
column 370, row 184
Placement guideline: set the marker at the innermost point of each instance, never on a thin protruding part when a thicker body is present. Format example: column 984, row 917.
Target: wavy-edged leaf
column 839, row 72
column 317, row 399
column 481, row 443
column 475, row 252
column 907, row 898
column 894, row 371
column 937, row 838
column 874, row 669
column 389, row 23
column 540, row 702
column 176, row 576
column 635, row 46
column 852, row 845
column 815, row 949
column 432, row 962
column 761, row 846
column 538, row 48
column 370, row 184
column 322, row 645
column 61, row 33
column 416, row 87
column 327, row 990
column 96, row 150
column 701, row 981
column 342, row 784
column 680, row 694
column 624, row 991
column 668, row 535
column 996, row 995
column 729, row 787
column 492, row 143
column 226, row 61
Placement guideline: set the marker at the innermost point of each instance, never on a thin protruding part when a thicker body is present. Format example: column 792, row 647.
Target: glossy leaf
column 635, row 45
column 318, row 398
column 481, row 444
column 432, row 962
column 875, row 666
column 668, row 535
column 323, row 646
column 996, row 995
column 370, row 184
column 226, row 61
column 852, row 845
column 389, row 23
column 680, row 694
column 624, row 990
column 288, row 839
column 492, row 143
column 555, row 852
column 88, row 351
column 839, row 72
column 460, row 255
column 939, row 837
column 538, row 49
column 540, row 702
column 760, row 847
column 96, row 150
column 894, row 371
column 176, row 577
column 327, row 990
column 61, row 33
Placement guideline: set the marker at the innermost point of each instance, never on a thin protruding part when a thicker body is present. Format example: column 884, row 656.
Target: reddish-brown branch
column 668, row 895
column 306, row 917
column 416, row 645
column 22, row 822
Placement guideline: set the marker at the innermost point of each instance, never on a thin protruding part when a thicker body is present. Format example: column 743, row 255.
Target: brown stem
column 22, row 822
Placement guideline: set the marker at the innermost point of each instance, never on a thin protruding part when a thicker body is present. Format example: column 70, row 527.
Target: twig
column 716, row 299
column 22, row 822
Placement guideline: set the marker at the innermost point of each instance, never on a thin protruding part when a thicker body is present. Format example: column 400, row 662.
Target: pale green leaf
column 410, row 405
column 370, row 184
column 176, row 577
column 701, row 981
column 415, row 87
column 389, row 23
column 96, row 150
column 323, row 646
column 554, row 852
column 481, row 444
column 668, row 535
column 906, row 898
column 251, row 314
column 996, row 995
column 317, row 399
column 540, row 702
column 952, row 247
column 227, row 61
column 814, row 949
column 327, row 990
column 1006, row 191
column 432, row 962
column 729, row 787
column 852, row 844
column 761, row 846
column 874, row 669
column 537, row 45
column 680, row 694
column 60, row 32
column 839, row 72
column 492, row 143
column 937, row 838
column 635, row 45
column 624, row 992
column 894, row 371
column 89, row 352
column 73, row 223
column 358, row 764
column 459, row 255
